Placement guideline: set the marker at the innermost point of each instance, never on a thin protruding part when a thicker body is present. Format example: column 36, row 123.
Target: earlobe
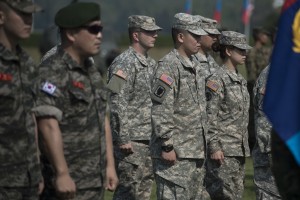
column 70, row 35
column 180, row 37
column 228, row 52
column 2, row 17
column 135, row 36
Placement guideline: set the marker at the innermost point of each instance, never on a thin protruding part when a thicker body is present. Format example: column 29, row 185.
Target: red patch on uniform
column 79, row 85
column 5, row 77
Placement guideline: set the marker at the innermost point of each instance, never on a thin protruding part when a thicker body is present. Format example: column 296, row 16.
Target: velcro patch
column 5, row 77
column 214, row 86
column 78, row 84
column 49, row 88
column 166, row 79
column 121, row 74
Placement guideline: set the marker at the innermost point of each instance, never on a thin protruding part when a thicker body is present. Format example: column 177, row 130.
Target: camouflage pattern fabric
column 226, row 181
column 232, row 38
column 26, row 6
column 227, row 110
column 264, row 181
column 19, row 193
column 130, row 74
column 75, row 95
column 18, row 151
column 143, row 22
column 188, row 184
column 257, row 59
column 178, row 116
column 207, row 64
column 135, row 173
column 81, row 194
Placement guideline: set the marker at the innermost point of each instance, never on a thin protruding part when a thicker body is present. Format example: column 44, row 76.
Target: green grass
column 249, row 193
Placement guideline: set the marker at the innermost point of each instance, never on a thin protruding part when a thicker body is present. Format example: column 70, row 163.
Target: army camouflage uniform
column 263, row 177
column 74, row 95
column 19, row 168
column 181, row 117
column 227, row 109
column 129, row 79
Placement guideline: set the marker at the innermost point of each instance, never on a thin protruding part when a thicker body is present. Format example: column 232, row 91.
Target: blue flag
column 188, row 6
column 282, row 99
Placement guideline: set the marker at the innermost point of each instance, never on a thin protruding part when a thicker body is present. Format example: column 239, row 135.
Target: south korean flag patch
column 49, row 88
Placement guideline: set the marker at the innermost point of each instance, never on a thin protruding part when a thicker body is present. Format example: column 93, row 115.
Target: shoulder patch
column 214, row 86
column 121, row 74
column 48, row 88
column 166, row 79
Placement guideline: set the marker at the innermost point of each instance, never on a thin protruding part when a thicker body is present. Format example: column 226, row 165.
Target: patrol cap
column 77, row 14
column 25, row 6
column 143, row 22
column 187, row 22
column 234, row 39
column 209, row 25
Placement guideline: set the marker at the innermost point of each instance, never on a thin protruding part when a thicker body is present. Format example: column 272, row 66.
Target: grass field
column 158, row 53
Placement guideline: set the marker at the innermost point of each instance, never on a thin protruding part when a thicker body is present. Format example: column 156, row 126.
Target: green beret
column 77, row 14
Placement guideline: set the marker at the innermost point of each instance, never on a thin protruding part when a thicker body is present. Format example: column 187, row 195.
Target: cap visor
column 198, row 31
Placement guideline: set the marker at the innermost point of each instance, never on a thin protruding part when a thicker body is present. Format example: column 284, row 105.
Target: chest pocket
column 234, row 96
column 78, row 103
column 8, row 98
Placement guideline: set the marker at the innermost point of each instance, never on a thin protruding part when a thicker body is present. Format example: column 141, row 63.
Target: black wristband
column 167, row 148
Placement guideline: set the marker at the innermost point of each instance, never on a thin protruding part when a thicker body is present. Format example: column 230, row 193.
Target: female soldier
column 227, row 109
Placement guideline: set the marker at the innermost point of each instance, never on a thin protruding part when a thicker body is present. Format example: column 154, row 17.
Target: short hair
column 131, row 30
column 175, row 32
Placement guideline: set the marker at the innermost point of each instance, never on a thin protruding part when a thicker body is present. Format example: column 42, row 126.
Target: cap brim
column 152, row 28
column 243, row 46
column 197, row 31
column 30, row 8
column 213, row 31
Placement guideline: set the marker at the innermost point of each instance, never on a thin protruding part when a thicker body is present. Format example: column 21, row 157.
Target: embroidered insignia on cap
column 212, row 85
column 166, row 79
column 121, row 74
column 49, row 88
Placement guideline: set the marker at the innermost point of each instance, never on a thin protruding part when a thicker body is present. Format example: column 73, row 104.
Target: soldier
column 207, row 63
column 227, row 110
column 257, row 59
column 70, row 107
column 179, row 116
column 265, row 186
column 19, row 167
column 130, row 80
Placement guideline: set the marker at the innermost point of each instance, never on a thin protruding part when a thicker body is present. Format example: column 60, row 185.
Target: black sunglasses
column 94, row 29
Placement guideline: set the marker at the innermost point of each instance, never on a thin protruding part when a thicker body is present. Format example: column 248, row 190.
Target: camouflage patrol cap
column 143, row 22
column 187, row 22
column 209, row 25
column 77, row 14
column 234, row 39
column 25, row 6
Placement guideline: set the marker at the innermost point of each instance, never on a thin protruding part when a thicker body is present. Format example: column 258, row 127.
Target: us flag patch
column 166, row 79
column 212, row 85
column 121, row 74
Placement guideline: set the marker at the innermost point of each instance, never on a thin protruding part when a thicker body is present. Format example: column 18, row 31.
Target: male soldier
column 257, row 59
column 19, row 168
column 179, row 116
column 207, row 63
column 264, row 181
column 130, row 80
column 70, row 108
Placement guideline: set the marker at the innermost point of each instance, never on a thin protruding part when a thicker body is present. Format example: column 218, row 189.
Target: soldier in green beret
column 19, row 166
column 71, row 109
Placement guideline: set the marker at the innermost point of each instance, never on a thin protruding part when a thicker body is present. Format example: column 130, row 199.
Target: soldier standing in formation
column 265, row 186
column 207, row 63
column 227, row 110
column 70, row 106
column 179, row 116
column 130, row 77
column 19, row 167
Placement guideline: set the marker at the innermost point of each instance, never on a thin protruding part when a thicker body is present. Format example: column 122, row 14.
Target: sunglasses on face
column 94, row 29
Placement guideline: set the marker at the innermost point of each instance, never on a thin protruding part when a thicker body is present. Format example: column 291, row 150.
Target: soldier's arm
column 162, row 94
column 213, row 97
column 52, row 140
column 120, row 83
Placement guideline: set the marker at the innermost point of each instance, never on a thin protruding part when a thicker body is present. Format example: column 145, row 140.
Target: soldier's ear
column 135, row 36
column 70, row 35
column 2, row 17
column 180, row 37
